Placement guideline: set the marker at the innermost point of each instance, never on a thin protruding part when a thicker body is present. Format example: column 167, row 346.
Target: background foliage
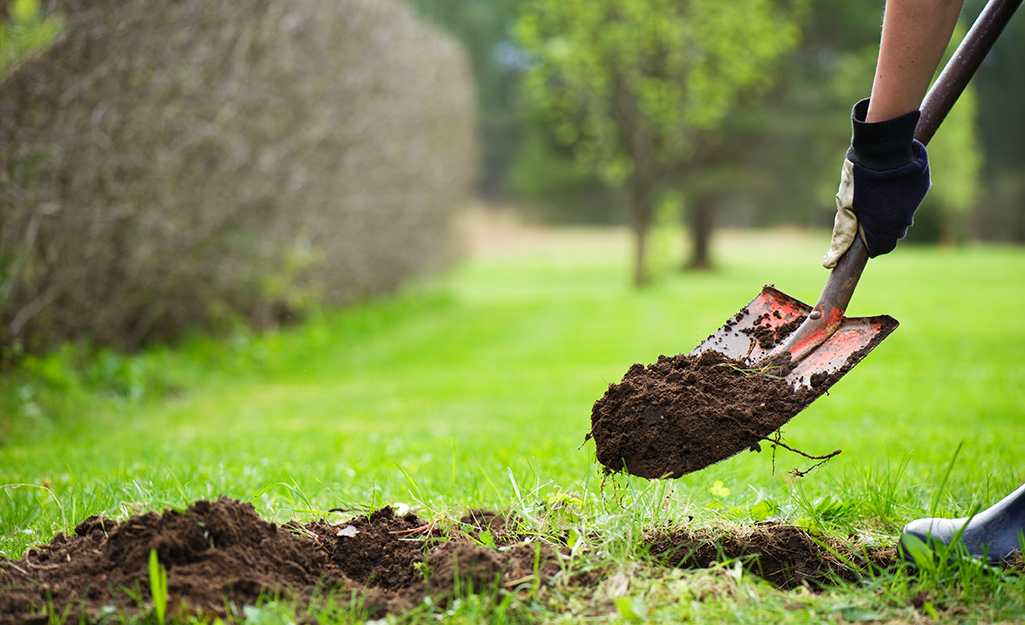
column 234, row 163
column 636, row 88
column 25, row 33
column 779, row 160
column 166, row 165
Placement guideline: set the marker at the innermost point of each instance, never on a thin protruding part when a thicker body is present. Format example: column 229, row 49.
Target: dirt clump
column 212, row 551
column 221, row 556
column 382, row 548
column 684, row 413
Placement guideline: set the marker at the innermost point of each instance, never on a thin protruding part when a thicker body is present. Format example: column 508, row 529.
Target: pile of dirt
column 684, row 413
column 784, row 555
column 220, row 555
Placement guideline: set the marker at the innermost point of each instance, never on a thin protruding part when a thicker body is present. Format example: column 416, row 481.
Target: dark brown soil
column 220, row 556
column 684, row 413
column 784, row 555
column 221, row 553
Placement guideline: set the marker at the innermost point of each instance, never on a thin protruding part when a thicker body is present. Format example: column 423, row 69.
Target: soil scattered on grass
column 784, row 555
column 220, row 556
column 220, row 553
column 684, row 413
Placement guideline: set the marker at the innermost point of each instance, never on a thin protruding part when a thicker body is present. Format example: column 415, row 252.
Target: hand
column 884, row 178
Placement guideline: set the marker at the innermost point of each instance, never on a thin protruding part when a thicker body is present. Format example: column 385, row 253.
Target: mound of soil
column 784, row 555
column 684, row 413
column 221, row 550
column 220, row 556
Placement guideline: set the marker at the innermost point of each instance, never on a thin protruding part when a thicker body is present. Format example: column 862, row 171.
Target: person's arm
column 889, row 169
column 914, row 38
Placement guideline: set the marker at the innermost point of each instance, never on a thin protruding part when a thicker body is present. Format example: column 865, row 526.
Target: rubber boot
column 994, row 533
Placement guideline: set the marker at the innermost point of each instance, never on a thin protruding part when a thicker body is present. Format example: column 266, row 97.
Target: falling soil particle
column 686, row 412
column 220, row 553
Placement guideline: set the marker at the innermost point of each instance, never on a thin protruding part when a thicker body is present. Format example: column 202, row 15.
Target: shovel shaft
column 829, row 311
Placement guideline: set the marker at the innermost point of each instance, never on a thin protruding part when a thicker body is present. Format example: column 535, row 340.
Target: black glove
column 884, row 178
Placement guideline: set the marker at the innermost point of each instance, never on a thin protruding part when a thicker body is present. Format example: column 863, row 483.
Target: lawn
column 474, row 389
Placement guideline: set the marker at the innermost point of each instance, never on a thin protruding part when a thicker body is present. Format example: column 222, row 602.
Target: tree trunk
column 642, row 182
column 701, row 214
column 640, row 220
column 948, row 231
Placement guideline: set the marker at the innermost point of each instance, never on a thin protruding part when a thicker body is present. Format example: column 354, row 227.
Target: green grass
column 475, row 390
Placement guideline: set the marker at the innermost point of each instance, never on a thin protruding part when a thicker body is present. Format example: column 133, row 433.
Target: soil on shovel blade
column 684, row 413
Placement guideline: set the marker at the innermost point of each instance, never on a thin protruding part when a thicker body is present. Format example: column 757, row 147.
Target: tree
column 633, row 85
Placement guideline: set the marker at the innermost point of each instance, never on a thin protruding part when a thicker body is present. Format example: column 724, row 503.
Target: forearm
column 915, row 35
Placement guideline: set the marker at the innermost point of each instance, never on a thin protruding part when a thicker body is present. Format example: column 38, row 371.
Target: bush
column 167, row 165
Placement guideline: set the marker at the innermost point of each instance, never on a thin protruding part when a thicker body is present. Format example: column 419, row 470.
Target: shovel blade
column 766, row 322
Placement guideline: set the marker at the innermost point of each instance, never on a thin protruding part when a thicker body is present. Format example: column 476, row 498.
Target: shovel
column 646, row 426
column 826, row 344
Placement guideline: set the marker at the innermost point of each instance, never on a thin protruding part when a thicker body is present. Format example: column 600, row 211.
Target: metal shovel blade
column 772, row 316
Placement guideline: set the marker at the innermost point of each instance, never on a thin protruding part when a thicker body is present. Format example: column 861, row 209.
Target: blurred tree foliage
column 24, row 33
column 166, row 165
column 955, row 162
column 1000, row 86
column 483, row 26
column 798, row 155
column 632, row 86
column 773, row 160
column 519, row 157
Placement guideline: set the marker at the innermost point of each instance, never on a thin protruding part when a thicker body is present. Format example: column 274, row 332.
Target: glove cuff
column 881, row 146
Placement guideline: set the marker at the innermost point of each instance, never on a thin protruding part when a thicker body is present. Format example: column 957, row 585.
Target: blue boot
column 993, row 534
